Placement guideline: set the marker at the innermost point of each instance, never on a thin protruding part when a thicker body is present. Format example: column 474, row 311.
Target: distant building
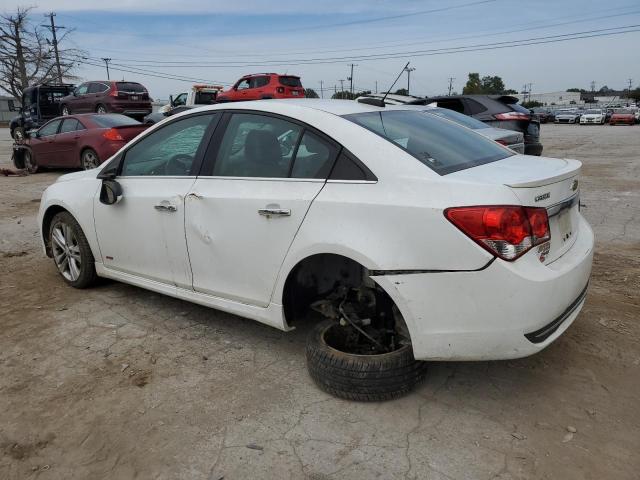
column 552, row 98
column 8, row 109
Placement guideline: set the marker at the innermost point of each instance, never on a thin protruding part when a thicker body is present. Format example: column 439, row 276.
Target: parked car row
column 590, row 116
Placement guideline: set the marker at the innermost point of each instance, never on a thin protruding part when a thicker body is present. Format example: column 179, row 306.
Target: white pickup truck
column 197, row 96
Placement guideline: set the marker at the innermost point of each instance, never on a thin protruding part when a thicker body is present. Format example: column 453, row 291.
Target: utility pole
column 593, row 85
column 451, row 79
column 376, row 86
column 409, row 70
column 53, row 28
column 106, row 62
column 321, row 89
column 351, row 77
column 341, row 84
column 630, row 84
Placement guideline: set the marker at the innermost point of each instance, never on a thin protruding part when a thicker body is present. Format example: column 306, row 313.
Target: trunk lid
column 538, row 182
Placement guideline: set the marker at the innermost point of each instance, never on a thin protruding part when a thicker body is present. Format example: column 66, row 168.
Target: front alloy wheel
column 65, row 111
column 71, row 252
column 101, row 109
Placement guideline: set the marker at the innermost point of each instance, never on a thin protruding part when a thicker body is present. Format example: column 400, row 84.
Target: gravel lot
column 117, row 382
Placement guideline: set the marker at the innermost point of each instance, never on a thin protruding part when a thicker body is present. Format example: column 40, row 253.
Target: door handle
column 280, row 212
column 166, row 208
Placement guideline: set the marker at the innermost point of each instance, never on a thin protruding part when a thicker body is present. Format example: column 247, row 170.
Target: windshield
column 130, row 87
column 594, row 112
column 459, row 118
column 624, row 111
column 110, row 120
column 442, row 146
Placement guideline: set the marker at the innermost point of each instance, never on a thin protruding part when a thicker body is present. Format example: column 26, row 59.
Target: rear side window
column 257, row 146
column 347, row 168
column 130, row 87
column 460, row 118
column 69, row 125
column 257, row 82
column 110, row 120
column 290, row 81
column 516, row 107
column 96, row 87
column 454, row 104
column 314, row 157
column 440, row 145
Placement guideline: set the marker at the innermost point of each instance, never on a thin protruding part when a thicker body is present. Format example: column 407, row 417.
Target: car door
column 80, row 100
column 67, row 139
column 243, row 90
column 257, row 88
column 243, row 211
column 143, row 234
column 95, row 94
column 44, row 146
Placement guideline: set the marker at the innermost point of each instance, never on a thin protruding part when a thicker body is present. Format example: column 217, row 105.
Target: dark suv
column 40, row 103
column 499, row 111
column 128, row 98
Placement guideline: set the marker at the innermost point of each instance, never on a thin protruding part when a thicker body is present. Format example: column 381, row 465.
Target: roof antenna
column 379, row 102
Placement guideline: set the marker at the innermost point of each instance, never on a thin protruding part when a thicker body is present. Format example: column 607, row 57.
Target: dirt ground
column 118, row 382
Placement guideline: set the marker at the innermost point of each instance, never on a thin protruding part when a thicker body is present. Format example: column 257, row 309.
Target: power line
column 418, row 53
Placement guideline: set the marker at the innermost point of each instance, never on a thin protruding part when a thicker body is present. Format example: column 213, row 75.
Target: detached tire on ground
column 364, row 378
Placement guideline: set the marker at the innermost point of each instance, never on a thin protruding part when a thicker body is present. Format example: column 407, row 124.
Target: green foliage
column 576, row 90
column 532, row 104
column 487, row 85
column 310, row 93
column 346, row 95
column 402, row 91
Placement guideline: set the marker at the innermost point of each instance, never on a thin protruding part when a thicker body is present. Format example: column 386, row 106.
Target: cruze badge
column 574, row 185
column 544, row 196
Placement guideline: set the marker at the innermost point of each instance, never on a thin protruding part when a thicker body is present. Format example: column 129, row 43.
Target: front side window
column 170, row 150
column 82, row 89
column 180, row 100
column 243, row 84
column 440, row 145
column 50, row 128
column 257, row 146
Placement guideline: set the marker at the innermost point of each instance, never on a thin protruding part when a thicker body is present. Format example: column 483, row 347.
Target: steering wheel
column 178, row 165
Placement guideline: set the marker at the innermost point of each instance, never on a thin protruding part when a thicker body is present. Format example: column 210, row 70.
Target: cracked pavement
column 119, row 382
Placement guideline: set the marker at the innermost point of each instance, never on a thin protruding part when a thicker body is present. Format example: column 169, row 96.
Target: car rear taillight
column 504, row 230
column 113, row 135
column 502, row 142
column 280, row 89
column 512, row 116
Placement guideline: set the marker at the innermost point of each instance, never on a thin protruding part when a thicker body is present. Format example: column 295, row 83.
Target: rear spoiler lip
column 572, row 169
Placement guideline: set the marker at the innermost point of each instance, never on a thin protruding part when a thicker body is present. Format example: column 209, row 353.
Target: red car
column 259, row 86
column 76, row 141
column 128, row 98
column 622, row 117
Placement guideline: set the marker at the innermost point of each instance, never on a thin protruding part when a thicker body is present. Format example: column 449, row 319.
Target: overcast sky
column 222, row 40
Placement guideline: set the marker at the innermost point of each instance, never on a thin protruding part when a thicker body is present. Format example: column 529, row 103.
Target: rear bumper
column 493, row 313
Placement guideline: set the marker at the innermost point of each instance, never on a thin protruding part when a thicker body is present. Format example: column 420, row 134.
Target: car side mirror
column 110, row 192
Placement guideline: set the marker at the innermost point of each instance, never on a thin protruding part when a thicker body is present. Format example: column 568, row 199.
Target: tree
column 532, row 104
column 402, row 91
column 605, row 89
column 27, row 57
column 473, row 86
column 310, row 93
column 487, row 85
column 347, row 95
column 576, row 90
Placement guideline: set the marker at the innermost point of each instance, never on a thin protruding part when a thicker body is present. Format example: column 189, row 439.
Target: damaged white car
column 405, row 236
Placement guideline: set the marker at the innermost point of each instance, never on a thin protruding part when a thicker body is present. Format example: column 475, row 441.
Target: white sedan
column 415, row 238
column 593, row 116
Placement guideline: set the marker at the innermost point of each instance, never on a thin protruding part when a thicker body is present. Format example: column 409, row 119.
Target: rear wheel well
column 51, row 212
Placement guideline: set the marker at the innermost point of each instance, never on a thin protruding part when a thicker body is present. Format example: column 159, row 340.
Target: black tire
column 65, row 110
column 100, row 108
column 87, row 271
column 18, row 134
column 29, row 161
column 363, row 378
column 18, row 159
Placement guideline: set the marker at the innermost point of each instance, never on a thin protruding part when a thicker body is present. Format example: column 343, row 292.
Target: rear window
column 442, row 146
column 130, row 87
column 110, row 120
column 290, row 81
column 519, row 108
column 459, row 118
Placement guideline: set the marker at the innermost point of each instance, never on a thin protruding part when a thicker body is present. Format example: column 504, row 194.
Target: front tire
column 71, row 252
column 101, row 109
column 65, row 111
column 362, row 378
column 18, row 134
